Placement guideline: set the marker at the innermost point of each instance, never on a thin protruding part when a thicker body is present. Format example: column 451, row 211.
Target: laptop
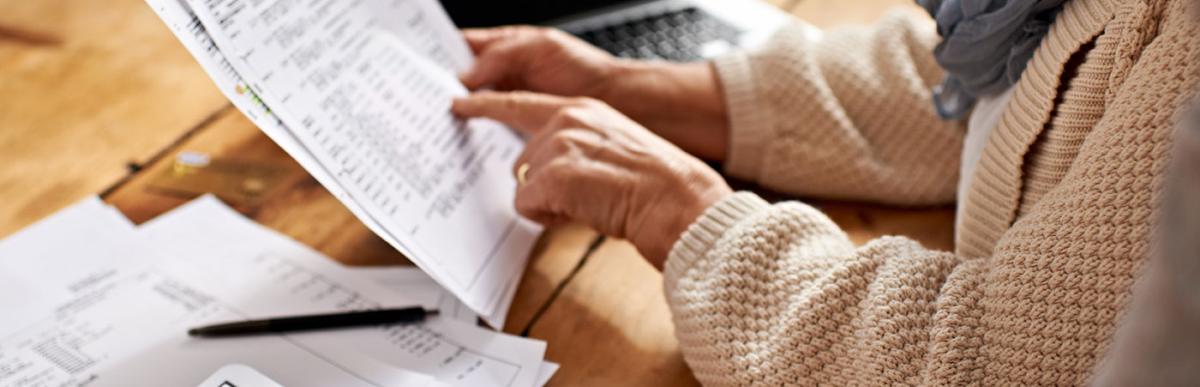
column 674, row 30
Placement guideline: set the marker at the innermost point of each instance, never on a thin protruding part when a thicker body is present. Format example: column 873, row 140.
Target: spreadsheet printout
column 186, row 26
column 345, row 78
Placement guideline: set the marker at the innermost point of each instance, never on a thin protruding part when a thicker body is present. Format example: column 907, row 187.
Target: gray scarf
column 985, row 46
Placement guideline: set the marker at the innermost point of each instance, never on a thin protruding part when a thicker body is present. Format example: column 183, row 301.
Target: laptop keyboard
column 684, row 35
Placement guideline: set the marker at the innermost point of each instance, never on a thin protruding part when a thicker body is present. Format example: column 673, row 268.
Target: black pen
column 313, row 322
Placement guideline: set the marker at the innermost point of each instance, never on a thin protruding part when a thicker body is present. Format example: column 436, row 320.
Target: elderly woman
column 1050, row 121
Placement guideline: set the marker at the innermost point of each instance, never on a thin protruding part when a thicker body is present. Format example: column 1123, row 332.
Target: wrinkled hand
column 681, row 102
column 537, row 59
column 591, row 164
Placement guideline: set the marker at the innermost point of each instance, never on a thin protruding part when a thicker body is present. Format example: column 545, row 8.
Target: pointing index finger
column 524, row 111
column 480, row 38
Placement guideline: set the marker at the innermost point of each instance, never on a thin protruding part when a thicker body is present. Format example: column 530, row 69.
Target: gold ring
column 521, row 172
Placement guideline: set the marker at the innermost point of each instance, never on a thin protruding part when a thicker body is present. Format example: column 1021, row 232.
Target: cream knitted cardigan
column 1056, row 222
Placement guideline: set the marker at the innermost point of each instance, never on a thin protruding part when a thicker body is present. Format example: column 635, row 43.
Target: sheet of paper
column 191, row 32
column 456, row 353
column 265, row 274
column 546, row 372
column 407, row 280
column 237, row 375
column 241, row 375
column 98, row 312
column 132, row 333
column 29, row 261
column 188, row 29
column 374, row 111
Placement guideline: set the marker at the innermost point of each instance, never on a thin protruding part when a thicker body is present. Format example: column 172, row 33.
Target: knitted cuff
column 749, row 120
column 705, row 231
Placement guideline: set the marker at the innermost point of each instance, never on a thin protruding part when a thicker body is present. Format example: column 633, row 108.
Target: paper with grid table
column 112, row 308
column 358, row 92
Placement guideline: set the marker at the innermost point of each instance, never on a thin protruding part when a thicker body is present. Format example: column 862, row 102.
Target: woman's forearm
column 680, row 102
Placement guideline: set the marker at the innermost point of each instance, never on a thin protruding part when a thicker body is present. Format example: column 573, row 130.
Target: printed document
column 265, row 274
column 98, row 312
column 362, row 90
column 112, row 309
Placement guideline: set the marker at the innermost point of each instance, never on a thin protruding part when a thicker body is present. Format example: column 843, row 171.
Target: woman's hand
column 538, row 59
column 681, row 102
column 591, row 164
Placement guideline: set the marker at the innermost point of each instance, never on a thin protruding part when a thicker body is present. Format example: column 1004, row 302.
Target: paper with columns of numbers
column 427, row 30
column 358, row 85
column 188, row 29
column 413, row 282
column 265, row 274
column 99, row 311
column 405, row 280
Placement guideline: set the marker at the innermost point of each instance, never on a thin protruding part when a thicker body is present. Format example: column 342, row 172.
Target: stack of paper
column 358, row 92
column 89, row 299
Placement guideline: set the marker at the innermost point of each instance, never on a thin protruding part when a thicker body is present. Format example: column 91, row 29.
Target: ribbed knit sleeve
column 778, row 295
column 846, row 114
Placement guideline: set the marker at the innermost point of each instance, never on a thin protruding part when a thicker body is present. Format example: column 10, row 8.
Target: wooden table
column 98, row 97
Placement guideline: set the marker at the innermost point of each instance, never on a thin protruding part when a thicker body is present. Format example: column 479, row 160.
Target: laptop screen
column 488, row 13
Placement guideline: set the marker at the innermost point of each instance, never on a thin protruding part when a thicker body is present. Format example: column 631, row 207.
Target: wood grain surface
column 86, row 88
